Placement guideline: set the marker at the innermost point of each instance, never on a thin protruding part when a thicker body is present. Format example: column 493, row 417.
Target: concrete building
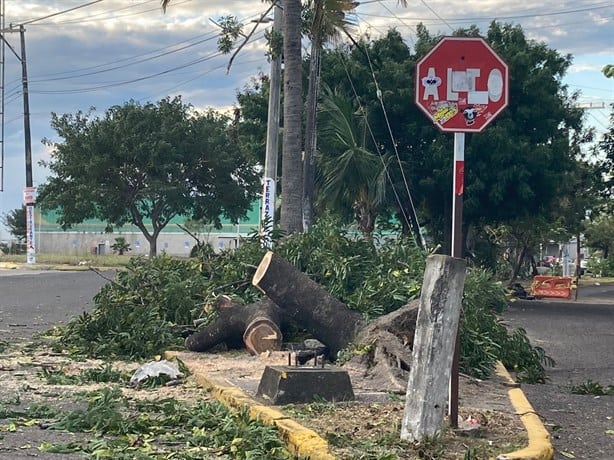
column 90, row 237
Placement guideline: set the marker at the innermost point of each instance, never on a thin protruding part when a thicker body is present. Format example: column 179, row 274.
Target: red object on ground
column 552, row 286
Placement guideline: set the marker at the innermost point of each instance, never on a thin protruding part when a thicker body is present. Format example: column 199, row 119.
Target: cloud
column 117, row 50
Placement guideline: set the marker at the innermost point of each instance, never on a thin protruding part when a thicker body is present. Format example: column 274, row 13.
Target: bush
column 601, row 267
column 146, row 309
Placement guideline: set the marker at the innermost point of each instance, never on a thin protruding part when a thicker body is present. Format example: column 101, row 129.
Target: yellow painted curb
column 540, row 443
column 300, row 441
column 8, row 265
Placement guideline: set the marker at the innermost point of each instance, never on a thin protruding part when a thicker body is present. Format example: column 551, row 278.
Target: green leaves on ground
column 131, row 429
column 154, row 303
column 592, row 388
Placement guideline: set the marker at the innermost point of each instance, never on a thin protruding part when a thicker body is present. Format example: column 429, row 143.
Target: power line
column 538, row 13
column 131, row 62
column 61, row 12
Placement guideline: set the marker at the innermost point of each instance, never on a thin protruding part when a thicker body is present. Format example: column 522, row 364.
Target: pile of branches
column 156, row 303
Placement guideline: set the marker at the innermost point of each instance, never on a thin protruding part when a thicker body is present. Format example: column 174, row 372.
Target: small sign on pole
column 29, row 195
column 29, row 198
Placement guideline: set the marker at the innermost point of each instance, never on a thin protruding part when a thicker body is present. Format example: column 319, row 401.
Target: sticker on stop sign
column 461, row 84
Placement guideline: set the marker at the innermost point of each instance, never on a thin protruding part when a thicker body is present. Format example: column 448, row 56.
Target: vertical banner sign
column 461, row 85
column 29, row 198
column 268, row 211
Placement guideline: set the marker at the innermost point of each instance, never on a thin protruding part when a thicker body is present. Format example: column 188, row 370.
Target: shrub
column 144, row 311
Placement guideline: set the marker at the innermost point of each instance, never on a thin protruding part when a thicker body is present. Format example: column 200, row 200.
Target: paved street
column 579, row 336
column 35, row 300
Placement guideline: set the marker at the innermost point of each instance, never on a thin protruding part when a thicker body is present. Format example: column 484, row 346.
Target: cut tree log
column 379, row 351
column 258, row 324
column 307, row 303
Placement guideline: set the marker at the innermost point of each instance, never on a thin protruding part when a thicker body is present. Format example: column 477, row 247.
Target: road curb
column 300, row 441
column 306, row 443
column 8, row 265
column 540, row 443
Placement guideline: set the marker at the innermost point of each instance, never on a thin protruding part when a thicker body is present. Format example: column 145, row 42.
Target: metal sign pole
column 457, row 251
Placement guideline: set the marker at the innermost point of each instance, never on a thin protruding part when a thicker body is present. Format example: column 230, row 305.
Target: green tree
column 515, row 169
column 146, row 164
column 378, row 74
column 599, row 234
column 121, row 246
column 604, row 151
column 325, row 21
column 353, row 179
column 15, row 222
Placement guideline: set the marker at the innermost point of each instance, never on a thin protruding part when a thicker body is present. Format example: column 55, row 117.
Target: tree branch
column 248, row 37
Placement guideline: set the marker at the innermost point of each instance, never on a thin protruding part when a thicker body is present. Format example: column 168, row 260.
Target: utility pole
column 272, row 139
column 29, row 192
column 2, row 49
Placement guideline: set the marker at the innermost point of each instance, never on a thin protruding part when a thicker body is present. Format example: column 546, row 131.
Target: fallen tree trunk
column 304, row 301
column 380, row 351
column 257, row 324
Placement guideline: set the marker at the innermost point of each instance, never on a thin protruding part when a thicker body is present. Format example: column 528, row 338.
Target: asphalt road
column 579, row 336
column 33, row 301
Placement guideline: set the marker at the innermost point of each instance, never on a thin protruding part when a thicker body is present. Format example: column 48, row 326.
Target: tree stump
column 258, row 324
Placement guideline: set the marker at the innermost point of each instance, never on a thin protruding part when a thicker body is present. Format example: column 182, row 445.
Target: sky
column 83, row 54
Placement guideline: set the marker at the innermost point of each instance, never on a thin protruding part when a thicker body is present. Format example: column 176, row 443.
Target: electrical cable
column 386, row 170
column 60, row 12
column 394, row 145
column 538, row 13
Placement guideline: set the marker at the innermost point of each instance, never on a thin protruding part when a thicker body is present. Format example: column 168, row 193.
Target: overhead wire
column 139, row 79
column 394, row 145
column 131, row 62
column 374, row 140
column 538, row 12
column 101, row 16
column 31, row 21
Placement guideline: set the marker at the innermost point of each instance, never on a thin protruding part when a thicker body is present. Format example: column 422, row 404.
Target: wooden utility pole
column 272, row 139
column 26, row 107
column 2, row 54
column 29, row 192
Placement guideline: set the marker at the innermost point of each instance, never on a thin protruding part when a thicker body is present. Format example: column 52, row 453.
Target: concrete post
column 434, row 342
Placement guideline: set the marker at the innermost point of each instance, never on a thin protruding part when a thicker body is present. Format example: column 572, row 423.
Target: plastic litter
column 154, row 369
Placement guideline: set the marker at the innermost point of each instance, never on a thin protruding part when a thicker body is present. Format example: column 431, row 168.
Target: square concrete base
column 281, row 385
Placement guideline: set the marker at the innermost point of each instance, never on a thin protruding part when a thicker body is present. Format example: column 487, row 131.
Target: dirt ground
column 488, row 424
column 367, row 428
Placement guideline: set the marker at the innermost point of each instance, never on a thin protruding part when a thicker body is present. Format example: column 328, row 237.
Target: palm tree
column 354, row 179
column 291, row 161
column 328, row 19
column 292, row 165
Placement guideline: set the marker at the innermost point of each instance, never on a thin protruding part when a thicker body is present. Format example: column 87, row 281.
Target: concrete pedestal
column 281, row 385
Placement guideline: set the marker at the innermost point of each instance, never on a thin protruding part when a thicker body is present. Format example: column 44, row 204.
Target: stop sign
column 462, row 84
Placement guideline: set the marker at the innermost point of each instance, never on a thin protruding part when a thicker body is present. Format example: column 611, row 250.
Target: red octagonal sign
column 462, row 84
